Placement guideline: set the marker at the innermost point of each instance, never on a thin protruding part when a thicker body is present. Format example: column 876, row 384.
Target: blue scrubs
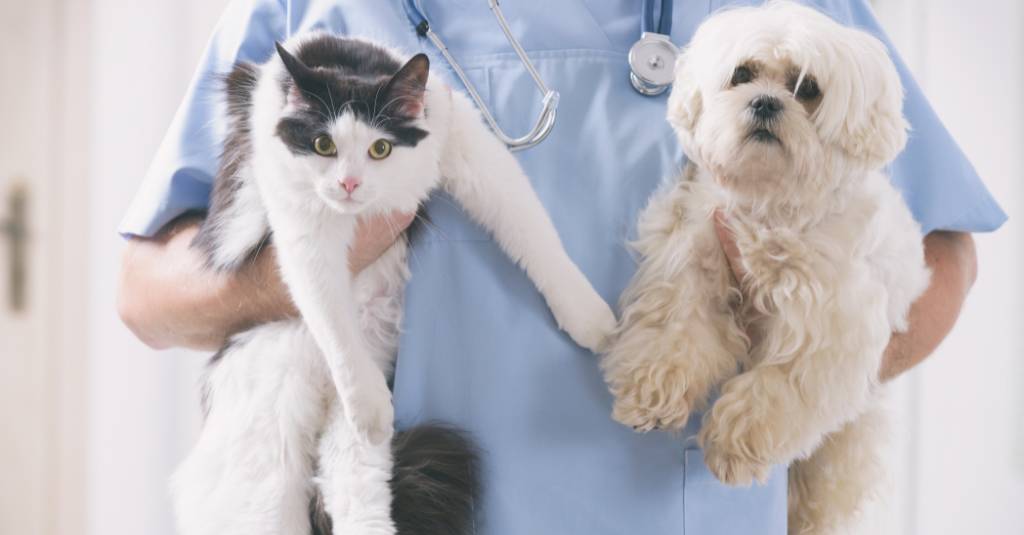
column 479, row 347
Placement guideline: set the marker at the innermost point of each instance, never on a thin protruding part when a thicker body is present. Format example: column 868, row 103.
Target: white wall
column 967, row 458
column 142, row 403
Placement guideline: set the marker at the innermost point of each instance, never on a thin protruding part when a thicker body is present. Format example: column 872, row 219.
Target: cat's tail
column 435, row 483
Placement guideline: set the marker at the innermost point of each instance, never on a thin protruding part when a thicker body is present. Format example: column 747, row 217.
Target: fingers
column 728, row 241
column 374, row 234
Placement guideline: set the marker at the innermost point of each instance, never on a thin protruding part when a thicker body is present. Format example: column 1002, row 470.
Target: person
column 479, row 348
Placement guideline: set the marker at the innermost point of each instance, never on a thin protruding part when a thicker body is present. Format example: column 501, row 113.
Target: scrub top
column 479, row 347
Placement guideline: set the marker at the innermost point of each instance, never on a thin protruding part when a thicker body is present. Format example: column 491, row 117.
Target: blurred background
column 93, row 422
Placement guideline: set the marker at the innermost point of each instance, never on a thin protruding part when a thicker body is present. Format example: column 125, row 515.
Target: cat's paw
column 587, row 319
column 369, row 410
column 383, row 526
column 652, row 395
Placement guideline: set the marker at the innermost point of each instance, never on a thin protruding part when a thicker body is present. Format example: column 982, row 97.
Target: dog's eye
column 741, row 75
column 809, row 90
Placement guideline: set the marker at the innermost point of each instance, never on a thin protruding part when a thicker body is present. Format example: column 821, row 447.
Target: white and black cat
column 299, row 414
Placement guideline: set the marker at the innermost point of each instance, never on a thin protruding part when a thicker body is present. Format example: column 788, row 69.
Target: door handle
column 15, row 231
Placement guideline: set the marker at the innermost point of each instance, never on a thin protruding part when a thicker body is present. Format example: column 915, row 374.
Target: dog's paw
column 369, row 410
column 737, row 441
column 733, row 467
column 653, row 395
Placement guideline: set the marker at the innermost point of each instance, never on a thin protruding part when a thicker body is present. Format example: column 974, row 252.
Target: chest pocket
column 711, row 507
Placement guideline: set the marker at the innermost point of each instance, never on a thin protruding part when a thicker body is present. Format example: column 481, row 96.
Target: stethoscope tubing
column 549, row 101
column 664, row 26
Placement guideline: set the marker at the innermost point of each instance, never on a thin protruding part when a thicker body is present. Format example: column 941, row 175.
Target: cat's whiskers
column 365, row 106
column 323, row 102
column 331, row 98
column 259, row 248
column 430, row 225
column 391, row 102
column 447, row 199
column 376, row 96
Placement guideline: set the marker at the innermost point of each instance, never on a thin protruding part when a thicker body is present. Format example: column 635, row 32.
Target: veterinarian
column 479, row 348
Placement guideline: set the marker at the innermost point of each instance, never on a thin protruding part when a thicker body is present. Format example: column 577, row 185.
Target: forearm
column 952, row 259
column 168, row 298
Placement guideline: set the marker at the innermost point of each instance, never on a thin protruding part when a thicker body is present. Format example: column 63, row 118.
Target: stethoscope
column 650, row 62
column 653, row 57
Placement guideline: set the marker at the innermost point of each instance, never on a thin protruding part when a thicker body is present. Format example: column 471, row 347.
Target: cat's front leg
column 314, row 265
column 354, row 479
column 366, row 398
column 819, row 354
column 490, row 185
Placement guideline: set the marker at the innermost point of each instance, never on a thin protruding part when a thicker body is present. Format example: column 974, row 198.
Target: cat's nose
column 350, row 184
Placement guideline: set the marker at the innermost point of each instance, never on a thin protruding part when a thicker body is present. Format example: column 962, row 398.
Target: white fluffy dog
column 788, row 119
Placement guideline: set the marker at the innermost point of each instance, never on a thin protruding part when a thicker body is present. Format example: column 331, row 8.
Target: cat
column 299, row 413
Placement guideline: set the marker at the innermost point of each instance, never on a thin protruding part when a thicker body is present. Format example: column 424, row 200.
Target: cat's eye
column 742, row 75
column 380, row 149
column 324, row 145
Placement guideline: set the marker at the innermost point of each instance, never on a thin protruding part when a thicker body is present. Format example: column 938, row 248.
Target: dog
column 788, row 120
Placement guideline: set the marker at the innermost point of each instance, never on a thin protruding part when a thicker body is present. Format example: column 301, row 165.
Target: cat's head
column 353, row 122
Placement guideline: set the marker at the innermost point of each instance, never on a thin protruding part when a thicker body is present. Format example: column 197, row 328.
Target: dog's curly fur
column 788, row 119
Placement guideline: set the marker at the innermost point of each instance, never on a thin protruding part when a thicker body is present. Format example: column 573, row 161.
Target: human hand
column 951, row 257
column 169, row 298
column 374, row 234
column 728, row 241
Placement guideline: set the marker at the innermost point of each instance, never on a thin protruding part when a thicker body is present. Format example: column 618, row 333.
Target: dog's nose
column 765, row 107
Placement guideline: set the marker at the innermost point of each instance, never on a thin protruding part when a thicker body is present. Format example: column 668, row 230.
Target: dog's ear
column 685, row 103
column 873, row 130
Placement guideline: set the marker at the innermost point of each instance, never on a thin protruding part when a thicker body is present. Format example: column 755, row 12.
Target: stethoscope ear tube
column 544, row 123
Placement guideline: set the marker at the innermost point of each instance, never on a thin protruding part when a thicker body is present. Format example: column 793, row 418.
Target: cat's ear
column 303, row 76
column 406, row 88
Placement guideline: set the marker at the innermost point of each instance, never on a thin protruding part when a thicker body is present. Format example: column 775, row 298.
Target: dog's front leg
column 836, row 488
column 678, row 338
column 818, row 359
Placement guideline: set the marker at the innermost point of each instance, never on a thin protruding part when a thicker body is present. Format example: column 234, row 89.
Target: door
column 31, row 142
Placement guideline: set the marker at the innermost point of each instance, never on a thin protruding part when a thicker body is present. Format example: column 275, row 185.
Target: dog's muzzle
column 765, row 108
column 764, row 111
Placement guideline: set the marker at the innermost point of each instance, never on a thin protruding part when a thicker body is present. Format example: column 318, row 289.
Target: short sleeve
column 939, row 184
column 180, row 177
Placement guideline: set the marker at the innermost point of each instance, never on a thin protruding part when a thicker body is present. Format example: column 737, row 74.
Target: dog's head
column 782, row 100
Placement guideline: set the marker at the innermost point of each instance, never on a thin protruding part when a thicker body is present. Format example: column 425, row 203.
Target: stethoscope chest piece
column 652, row 63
